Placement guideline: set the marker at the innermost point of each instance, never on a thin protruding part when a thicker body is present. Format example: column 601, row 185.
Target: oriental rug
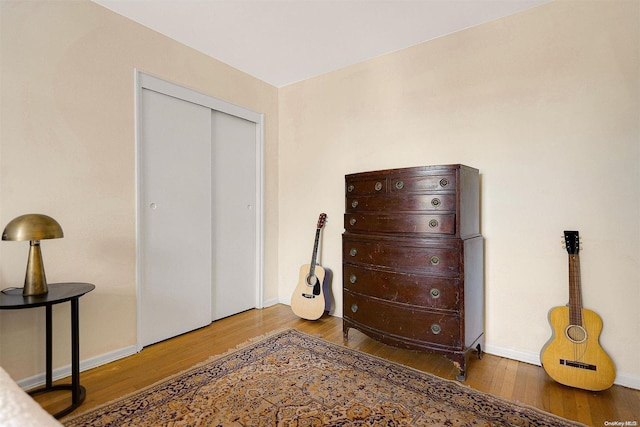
column 294, row 379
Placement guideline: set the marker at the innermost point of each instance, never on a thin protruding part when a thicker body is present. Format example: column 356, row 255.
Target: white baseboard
column 65, row 371
column 509, row 353
column 622, row 379
column 270, row 302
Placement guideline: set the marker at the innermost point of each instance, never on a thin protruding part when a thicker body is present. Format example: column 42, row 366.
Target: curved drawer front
column 375, row 185
column 421, row 183
column 410, row 202
column 427, row 260
column 401, row 223
column 403, row 322
column 435, row 292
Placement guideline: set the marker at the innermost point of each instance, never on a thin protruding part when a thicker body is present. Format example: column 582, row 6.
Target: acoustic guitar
column 573, row 355
column 307, row 300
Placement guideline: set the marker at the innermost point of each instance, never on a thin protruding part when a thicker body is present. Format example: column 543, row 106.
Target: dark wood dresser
column 412, row 259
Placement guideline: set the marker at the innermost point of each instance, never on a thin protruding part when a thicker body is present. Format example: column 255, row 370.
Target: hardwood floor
column 509, row 379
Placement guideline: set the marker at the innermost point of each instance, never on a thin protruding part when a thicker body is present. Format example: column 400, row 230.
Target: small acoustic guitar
column 307, row 300
column 573, row 355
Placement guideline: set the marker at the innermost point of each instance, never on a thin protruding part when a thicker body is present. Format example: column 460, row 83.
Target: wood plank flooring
column 506, row 378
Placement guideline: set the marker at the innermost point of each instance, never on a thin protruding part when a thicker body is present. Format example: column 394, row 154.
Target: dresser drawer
column 439, row 293
column 401, row 223
column 372, row 185
column 408, row 202
column 402, row 255
column 406, row 322
column 422, row 183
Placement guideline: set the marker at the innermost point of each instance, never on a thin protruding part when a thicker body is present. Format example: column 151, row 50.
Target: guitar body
column 574, row 358
column 304, row 301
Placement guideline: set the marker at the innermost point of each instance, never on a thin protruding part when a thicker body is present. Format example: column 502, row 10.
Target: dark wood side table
column 12, row 299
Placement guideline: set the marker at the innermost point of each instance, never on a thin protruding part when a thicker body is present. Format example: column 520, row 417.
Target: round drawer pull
column 350, row 188
column 435, row 202
column 435, row 293
column 354, row 204
column 399, row 185
column 354, row 308
column 353, row 278
column 353, row 252
column 444, row 182
column 378, row 186
column 352, row 221
column 434, row 260
column 433, row 223
column 436, row 329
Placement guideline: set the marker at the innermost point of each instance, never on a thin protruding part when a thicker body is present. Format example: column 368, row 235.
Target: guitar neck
column 575, row 291
column 314, row 255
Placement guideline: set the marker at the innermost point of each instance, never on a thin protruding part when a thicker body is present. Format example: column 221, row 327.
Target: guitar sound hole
column 312, row 280
column 576, row 333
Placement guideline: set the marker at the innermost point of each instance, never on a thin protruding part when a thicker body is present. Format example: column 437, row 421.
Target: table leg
column 78, row 392
column 49, row 348
column 75, row 351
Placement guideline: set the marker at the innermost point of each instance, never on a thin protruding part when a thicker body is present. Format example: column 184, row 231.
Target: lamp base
column 35, row 282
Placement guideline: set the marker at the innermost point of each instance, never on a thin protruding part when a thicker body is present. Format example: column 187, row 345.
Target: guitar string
column 575, row 304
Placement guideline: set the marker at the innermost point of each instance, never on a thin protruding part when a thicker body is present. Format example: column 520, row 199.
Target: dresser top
column 417, row 169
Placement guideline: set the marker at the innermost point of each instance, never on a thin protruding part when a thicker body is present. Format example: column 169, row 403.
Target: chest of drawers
column 413, row 259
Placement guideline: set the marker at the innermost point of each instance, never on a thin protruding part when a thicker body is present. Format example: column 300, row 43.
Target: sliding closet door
column 175, row 200
column 234, row 214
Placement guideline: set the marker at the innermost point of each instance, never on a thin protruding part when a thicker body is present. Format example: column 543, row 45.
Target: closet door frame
column 149, row 82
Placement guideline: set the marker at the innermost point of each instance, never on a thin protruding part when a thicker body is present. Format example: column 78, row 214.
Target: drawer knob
column 436, row 329
column 433, row 223
column 378, row 186
column 353, row 278
column 399, row 185
column 444, row 182
column 434, row 260
column 354, row 308
column 352, row 221
column 435, row 202
column 350, row 188
column 435, row 293
column 353, row 252
column 354, row 204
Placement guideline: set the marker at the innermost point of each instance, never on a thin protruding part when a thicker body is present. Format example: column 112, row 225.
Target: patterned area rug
column 293, row 379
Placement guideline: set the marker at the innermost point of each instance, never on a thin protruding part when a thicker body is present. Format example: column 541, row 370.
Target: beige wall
column 546, row 105
column 67, row 150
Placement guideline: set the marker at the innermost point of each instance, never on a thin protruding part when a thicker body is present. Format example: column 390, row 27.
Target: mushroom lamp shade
column 33, row 227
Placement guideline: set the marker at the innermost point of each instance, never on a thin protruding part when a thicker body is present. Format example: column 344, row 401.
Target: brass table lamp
column 33, row 227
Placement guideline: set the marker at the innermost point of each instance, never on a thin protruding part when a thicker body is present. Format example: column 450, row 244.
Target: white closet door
column 175, row 200
column 234, row 214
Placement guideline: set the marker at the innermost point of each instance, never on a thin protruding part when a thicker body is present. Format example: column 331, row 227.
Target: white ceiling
column 285, row 41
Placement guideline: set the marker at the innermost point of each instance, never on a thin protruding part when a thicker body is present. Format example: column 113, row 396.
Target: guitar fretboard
column 575, row 292
column 314, row 255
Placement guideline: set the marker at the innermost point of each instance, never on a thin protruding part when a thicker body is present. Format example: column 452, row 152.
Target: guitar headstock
column 572, row 242
column 321, row 220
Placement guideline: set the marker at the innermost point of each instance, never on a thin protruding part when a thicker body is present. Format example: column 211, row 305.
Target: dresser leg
column 345, row 333
column 479, row 350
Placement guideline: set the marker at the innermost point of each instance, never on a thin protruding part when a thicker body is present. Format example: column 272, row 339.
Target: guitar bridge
column 309, row 296
column 579, row 365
